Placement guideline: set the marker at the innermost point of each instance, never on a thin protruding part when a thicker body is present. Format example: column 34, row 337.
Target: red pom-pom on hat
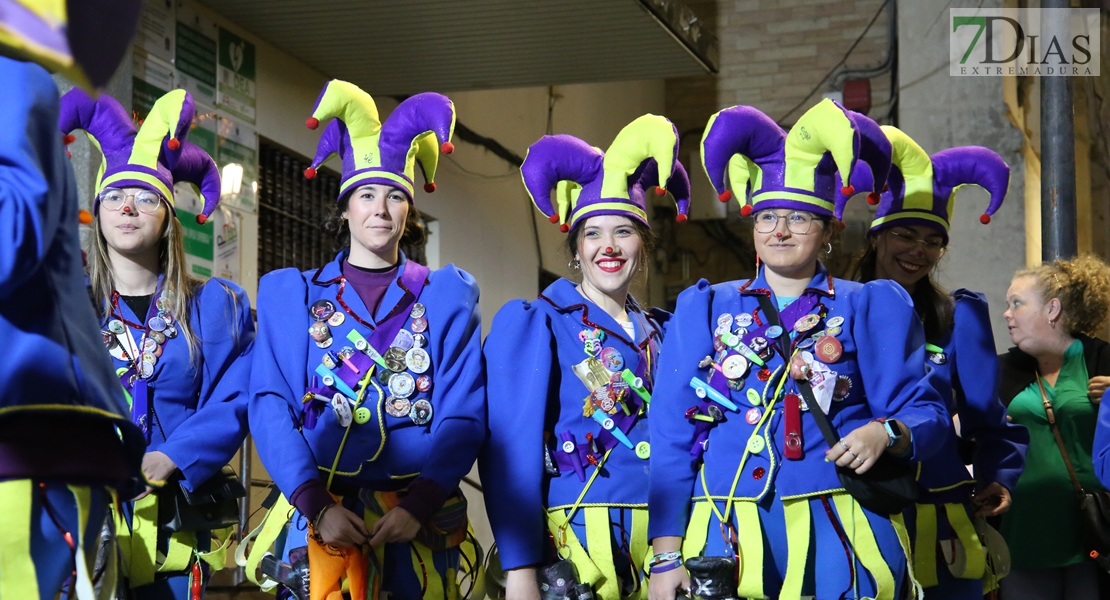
column 202, row 219
column 985, row 219
column 725, row 196
column 746, row 210
column 564, row 228
column 447, row 148
column 310, row 173
column 660, row 191
column 312, row 122
column 553, row 218
column 69, row 139
column 848, row 190
column 681, row 218
column 174, row 144
column 429, row 187
column 84, row 217
column 873, row 198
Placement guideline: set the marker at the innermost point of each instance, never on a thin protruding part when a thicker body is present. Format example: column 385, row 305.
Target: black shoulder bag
column 212, row 506
column 1094, row 509
column 889, row 486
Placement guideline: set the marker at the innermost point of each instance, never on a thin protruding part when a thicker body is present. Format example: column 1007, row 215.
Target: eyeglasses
column 146, row 201
column 799, row 223
column 930, row 247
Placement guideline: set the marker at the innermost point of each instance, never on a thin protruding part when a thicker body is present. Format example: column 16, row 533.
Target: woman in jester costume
column 68, row 449
column 368, row 399
column 180, row 345
column 907, row 239
column 568, row 450
column 758, row 482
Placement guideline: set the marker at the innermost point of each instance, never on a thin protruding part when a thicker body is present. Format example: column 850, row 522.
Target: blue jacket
column 883, row 357
column 53, row 353
column 967, row 377
column 200, row 403
column 535, row 398
column 388, row 451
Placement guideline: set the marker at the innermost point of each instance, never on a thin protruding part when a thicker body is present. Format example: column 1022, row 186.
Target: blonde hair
column 1081, row 284
column 171, row 264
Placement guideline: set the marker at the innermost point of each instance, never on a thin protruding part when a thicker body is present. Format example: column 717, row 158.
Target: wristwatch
column 894, row 434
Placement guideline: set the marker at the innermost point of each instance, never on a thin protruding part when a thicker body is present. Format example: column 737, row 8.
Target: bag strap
column 827, row 431
column 1059, row 440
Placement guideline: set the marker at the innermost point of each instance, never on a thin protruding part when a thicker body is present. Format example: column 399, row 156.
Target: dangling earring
column 575, row 264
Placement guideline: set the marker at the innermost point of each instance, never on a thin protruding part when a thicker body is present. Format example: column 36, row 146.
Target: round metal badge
column 404, row 340
column 421, row 412
column 402, row 385
column 612, row 359
column 322, row 310
column 417, row 360
column 397, row 407
column 417, row 311
column 419, row 325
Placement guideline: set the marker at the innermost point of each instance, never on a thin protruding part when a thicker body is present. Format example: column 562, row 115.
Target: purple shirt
column 370, row 284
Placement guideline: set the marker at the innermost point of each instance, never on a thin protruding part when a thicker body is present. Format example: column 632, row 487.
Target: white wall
column 939, row 111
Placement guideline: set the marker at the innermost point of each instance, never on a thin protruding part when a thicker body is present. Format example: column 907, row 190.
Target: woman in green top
column 1051, row 311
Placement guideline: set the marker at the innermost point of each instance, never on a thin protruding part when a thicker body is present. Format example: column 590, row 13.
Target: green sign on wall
column 236, row 76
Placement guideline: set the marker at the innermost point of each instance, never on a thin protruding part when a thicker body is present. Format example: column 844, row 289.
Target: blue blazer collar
column 821, row 284
column 565, row 298
column 332, row 273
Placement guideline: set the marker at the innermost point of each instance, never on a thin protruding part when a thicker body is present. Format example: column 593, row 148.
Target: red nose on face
column 127, row 209
column 608, row 250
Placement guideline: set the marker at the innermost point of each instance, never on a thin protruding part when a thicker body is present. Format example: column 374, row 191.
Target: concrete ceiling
column 409, row 46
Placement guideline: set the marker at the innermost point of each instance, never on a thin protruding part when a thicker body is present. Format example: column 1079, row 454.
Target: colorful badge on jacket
column 589, row 182
column 922, row 190
column 84, row 40
column 380, row 152
column 766, row 167
column 152, row 157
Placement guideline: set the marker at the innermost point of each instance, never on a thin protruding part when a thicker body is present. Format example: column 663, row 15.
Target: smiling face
column 781, row 246
column 609, row 251
column 907, row 253
column 127, row 230
column 376, row 215
column 1029, row 317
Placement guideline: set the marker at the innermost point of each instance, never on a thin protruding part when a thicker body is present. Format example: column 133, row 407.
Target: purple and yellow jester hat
column 85, row 40
column 375, row 152
column 589, row 182
column 770, row 168
column 922, row 189
column 152, row 157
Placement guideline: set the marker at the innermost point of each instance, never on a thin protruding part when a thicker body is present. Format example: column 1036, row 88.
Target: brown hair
column 931, row 301
column 337, row 226
column 171, row 264
column 1081, row 284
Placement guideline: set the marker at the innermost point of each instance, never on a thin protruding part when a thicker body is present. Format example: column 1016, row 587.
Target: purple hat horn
column 103, row 119
column 678, row 186
column 744, row 131
column 414, row 117
column 971, row 165
column 555, row 158
column 194, row 166
column 331, row 142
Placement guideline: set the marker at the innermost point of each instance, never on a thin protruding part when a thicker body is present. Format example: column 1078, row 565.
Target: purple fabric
column 555, row 158
column 746, row 131
column 63, row 445
column 424, row 498
column 311, row 497
column 964, row 165
column 193, row 165
column 100, row 34
column 104, row 118
column 371, row 287
column 26, row 24
column 426, row 113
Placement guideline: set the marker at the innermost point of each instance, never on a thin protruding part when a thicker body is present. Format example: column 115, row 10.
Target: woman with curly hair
column 1052, row 310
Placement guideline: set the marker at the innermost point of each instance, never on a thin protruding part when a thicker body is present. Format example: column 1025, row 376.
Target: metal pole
column 245, row 505
column 1058, row 227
